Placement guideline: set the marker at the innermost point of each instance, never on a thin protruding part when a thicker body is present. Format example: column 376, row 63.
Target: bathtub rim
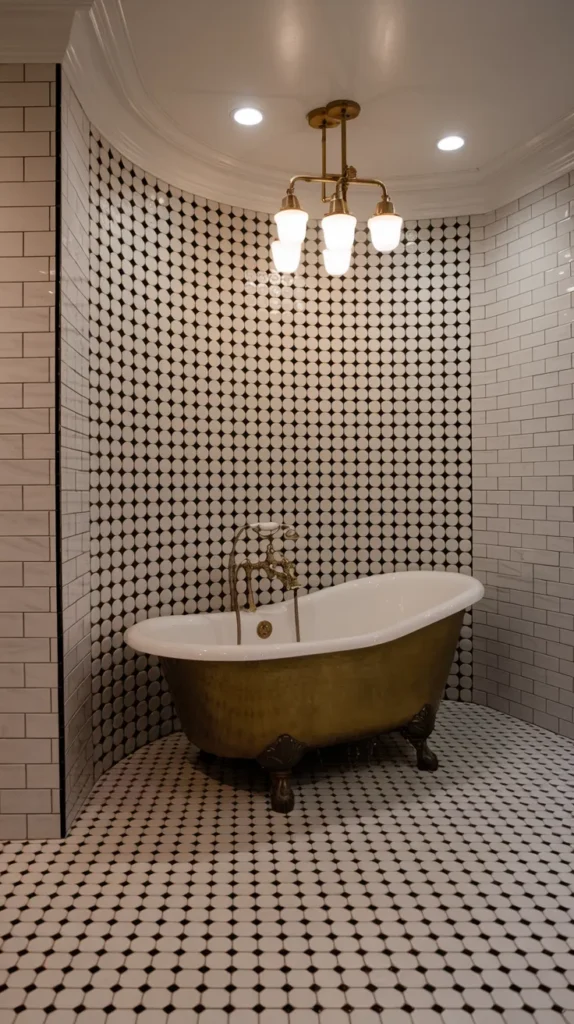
column 185, row 651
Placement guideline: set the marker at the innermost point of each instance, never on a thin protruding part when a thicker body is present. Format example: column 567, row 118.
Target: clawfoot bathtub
column 374, row 656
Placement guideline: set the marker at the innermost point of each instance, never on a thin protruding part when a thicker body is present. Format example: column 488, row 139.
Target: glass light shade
column 385, row 231
column 337, row 261
column 339, row 230
column 285, row 257
column 291, row 226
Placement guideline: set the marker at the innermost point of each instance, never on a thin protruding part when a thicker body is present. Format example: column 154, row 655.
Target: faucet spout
column 283, row 570
column 272, row 565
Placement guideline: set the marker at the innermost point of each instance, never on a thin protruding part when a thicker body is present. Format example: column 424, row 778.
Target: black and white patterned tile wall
column 137, row 469
column 222, row 391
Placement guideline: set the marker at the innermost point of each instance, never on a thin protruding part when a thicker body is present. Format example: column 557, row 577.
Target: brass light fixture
column 338, row 224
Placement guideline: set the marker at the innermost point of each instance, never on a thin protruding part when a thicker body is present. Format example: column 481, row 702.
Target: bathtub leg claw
column 278, row 759
column 282, row 796
column 427, row 761
column 417, row 732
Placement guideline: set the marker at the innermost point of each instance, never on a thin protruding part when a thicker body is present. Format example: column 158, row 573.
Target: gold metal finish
column 274, row 566
column 237, row 708
column 371, row 181
column 337, row 205
column 323, row 162
column 343, row 110
column 337, row 112
column 334, row 178
column 296, row 611
column 240, row 708
column 264, row 629
column 290, row 202
column 232, row 577
column 319, row 118
column 344, row 183
column 384, row 206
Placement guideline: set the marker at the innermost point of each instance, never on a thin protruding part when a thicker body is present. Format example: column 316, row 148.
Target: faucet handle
column 291, row 533
column 266, row 529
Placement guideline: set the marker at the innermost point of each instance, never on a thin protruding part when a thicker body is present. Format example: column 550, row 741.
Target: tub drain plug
column 264, row 629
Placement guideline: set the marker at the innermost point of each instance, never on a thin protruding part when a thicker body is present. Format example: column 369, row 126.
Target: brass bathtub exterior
column 274, row 710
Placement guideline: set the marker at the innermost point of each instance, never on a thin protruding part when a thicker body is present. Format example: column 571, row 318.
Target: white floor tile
column 389, row 896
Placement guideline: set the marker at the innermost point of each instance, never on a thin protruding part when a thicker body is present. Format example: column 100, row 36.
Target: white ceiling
column 160, row 80
column 497, row 72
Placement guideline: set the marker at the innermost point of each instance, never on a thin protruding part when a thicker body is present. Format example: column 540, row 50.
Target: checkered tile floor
column 389, row 896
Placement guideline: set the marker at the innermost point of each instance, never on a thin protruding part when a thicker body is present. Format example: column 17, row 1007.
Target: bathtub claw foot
column 206, row 757
column 417, row 732
column 282, row 795
column 278, row 759
column 427, row 761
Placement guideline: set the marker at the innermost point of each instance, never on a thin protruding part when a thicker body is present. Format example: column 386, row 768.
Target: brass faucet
column 274, row 566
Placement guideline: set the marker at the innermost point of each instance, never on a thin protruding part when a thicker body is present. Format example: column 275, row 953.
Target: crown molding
column 36, row 32
column 102, row 70
column 49, row 5
column 101, row 66
column 544, row 158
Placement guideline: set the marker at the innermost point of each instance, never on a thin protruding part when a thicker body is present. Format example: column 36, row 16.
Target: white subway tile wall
column 522, row 282
column 29, row 783
column 75, row 452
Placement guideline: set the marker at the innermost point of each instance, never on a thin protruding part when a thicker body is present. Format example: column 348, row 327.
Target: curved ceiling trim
column 34, row 32
column 102, row 69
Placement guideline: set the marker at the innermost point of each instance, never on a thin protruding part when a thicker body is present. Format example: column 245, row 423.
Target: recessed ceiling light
column 450, row 142
column 247, row 115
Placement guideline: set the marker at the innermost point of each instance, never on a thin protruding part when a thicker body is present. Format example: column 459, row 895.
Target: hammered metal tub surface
column 239, row 708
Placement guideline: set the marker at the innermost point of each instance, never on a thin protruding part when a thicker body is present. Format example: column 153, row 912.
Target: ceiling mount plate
column 347, row 109
column 319, row 118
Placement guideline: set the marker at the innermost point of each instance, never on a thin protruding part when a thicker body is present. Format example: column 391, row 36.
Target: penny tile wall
column 29, row 757
column 221, row 392
column 523, row 455
column 138, row 546
column 199, row 388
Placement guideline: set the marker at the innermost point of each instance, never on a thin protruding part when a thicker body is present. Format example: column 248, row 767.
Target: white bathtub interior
column 359, row 613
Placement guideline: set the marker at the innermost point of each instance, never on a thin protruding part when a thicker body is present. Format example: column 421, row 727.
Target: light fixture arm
column 313, row 178
column 339, row 223
column 341, row 182
column 323, row 160
column 372, row 181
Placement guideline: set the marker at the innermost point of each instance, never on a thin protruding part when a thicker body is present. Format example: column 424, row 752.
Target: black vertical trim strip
column 471, row 465
column 57, row 428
